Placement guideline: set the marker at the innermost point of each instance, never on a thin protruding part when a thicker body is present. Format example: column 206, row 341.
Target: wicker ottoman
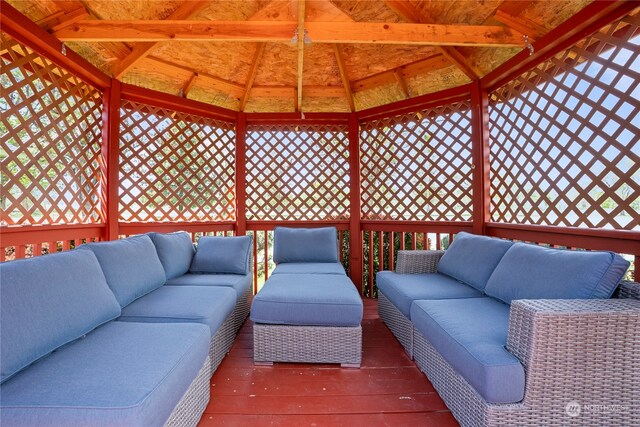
column 307, row 318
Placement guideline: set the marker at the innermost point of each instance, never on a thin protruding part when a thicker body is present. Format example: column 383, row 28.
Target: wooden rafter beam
column 269, row 31
column 300, row 43
column 523, row 25
column 422, row 66
column 409, row 13
column 189, row 85
column 344, row 76
column 141, row 50
column 252, row 75
column 403, row 84
column 61, row 20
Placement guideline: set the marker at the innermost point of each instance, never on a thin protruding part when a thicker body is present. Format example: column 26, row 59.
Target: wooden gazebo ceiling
column 297, row 55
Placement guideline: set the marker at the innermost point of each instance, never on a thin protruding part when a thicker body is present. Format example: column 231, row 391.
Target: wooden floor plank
column 388, row 390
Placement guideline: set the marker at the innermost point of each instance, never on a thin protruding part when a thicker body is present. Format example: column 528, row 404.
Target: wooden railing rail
column 34, row 240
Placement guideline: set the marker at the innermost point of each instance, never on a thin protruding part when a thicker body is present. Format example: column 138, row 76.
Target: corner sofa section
column 93, row 336
column 535, row 330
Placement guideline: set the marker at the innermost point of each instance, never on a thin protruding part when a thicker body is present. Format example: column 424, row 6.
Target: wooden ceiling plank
column 270, row 31
column 301, row 36
column 523, row 25
column 344, row 76
column 252, row 75
column 141, row 50
column 409, row 13
column 290, row 91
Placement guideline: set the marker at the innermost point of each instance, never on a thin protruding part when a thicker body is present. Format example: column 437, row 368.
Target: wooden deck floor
column 388, row 390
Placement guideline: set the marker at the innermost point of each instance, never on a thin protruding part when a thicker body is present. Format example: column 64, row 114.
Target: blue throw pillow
column 175, row 251
column 533, row 272
column 471, row 258
column 305, row 245
column 131, row 266
column 222, row 255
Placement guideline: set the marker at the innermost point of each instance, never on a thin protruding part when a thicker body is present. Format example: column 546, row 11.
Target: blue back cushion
column 131, row 266
column 175, row 251
column 47, row 302
column 222, row 255
column 471, row 259
column 533, row 272
column 305, row 245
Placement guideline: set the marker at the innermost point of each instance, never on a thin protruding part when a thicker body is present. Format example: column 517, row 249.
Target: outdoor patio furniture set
column 518, row 334
column 124, row 332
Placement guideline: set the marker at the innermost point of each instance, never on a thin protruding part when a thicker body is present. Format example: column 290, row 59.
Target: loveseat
column 125, row 332
column 518, row 334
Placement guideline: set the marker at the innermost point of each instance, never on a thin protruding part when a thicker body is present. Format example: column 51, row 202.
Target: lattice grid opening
column 297, row 172
column 565, row 137
column 50, row 134
column 175, row 166
column 418, row 166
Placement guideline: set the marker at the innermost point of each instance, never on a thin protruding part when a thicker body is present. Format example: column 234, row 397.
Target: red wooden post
column 110, row 159
column 355, row 232
column 241, row 174
column 480, row 155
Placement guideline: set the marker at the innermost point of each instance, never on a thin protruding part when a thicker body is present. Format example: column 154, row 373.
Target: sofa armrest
column 414, row 262
column 581, row 351
column 628, row 290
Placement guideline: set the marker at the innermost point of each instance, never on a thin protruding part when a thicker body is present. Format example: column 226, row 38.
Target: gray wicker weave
column 190, row 408
column 221, row 342
column 573, row 351
column 397, row 323
column 241, row 310
column 408, row 262
column 416, row 262
column 307, row 344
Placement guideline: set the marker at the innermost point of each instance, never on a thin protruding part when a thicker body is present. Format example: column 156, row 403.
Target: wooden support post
column 355, row 232
column 110, row 159
column 480, row 155
column 241, row 172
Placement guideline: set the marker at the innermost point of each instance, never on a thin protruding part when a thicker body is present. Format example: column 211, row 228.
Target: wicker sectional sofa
column 517, row 334
column 120, row 332
column 308, row 311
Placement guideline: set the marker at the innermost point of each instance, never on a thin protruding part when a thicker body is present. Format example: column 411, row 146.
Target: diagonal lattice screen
column 50, row 132
column 175, row 166
column 418, row 166
column 297, row 173
column 565, row 137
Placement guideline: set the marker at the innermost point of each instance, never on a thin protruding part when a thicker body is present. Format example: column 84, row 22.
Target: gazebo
column 400, row 123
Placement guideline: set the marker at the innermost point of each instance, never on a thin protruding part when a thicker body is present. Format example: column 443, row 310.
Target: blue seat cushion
column 131, row 266
column 121, row 374
column 308, row 299
column 309, row 268
column 221, row 255
column 239, row 282
column 403, row 289
column 175, row 251
column 471, row 258
column 305, row 244
column 534, row 272
column 209, row 305
column 48, row 301
column 471, row 335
